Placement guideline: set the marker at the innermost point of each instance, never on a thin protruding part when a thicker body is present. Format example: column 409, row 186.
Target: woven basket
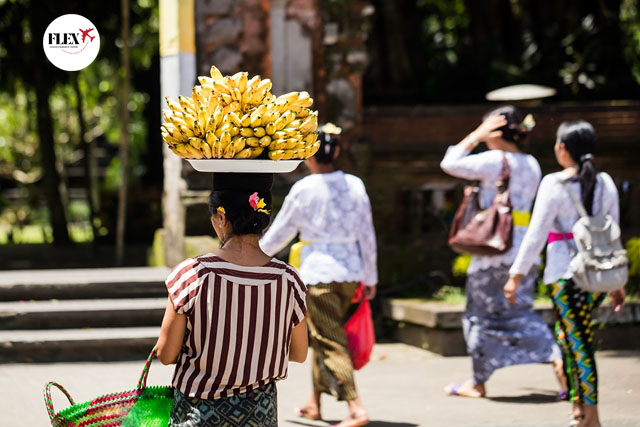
column 142, row 407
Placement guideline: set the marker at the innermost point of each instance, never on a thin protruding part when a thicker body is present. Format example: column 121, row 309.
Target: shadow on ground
column 371, row 423
column 535, row 396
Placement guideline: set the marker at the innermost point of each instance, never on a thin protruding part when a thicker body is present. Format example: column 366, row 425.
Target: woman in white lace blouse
column 498, row 334
column 553, row 218
column 331, row 213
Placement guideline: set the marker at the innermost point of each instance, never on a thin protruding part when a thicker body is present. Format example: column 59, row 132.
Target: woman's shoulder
column 290, row 273
column 607, row 180
column 552, row 181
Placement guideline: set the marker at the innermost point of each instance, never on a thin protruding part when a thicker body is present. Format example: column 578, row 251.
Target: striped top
column 239, row 322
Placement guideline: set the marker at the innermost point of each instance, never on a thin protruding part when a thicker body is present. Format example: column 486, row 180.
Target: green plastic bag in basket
column 142, row 407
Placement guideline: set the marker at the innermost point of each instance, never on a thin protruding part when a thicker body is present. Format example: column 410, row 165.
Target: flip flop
column 563, row 395
column 303, row 413
column 453, row 389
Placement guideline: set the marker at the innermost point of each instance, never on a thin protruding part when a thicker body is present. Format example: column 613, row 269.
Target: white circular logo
column 71, row 42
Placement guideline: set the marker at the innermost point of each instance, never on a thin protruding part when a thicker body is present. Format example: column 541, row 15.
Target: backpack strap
column 577, row 203
column 601, row 211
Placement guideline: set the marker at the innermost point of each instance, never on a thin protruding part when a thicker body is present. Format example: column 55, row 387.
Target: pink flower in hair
column 254, row 200
column 258, row 204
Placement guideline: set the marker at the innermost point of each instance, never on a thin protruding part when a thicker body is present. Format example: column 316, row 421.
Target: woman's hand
column 511, row 287
column 486, row 130
column 617, row 299
column 369, row 292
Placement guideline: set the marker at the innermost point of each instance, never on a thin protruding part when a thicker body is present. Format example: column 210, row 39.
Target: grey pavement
column 401, row 387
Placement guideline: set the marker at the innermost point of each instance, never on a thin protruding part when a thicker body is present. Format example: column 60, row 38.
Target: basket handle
column 142, row 382
column 48, row 402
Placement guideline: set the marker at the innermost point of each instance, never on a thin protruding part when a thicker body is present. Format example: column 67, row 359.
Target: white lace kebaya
column 332, row 212
column 553, row 204
column 485, row 167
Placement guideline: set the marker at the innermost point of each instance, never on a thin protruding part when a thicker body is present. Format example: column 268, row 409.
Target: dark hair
column 579, row 139
column 244, row 219
column 513, row 130
column 328, row 144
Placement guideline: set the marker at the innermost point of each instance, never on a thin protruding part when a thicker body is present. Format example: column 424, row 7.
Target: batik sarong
column 256, row 408
column 499, row 334
column 327, row 308
column 574, row 308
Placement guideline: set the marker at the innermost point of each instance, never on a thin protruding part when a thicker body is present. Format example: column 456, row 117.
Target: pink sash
column 554, row 237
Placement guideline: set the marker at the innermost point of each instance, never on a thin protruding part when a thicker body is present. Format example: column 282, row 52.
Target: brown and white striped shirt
column 239, row 322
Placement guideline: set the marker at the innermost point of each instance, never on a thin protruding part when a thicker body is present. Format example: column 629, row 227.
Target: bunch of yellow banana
column 231, row 117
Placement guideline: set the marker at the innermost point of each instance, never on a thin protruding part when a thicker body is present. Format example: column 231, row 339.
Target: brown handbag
column 484, row 232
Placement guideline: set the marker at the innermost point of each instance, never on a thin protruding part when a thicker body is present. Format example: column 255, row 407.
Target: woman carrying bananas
column 499, row 334
column 234, row 318
column 331, row 212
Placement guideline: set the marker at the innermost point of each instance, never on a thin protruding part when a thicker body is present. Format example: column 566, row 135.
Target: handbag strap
column 142, row 382
column 505, row 174
column 48, row 402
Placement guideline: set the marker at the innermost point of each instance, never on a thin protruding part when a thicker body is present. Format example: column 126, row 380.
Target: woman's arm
column 542, row 218
column 284, row 227
column 457, row 161
column 172, row 332
column 366, row 235
column 299, row 344
column 611, row 207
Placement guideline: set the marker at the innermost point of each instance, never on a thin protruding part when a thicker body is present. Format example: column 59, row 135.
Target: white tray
column 244, row 165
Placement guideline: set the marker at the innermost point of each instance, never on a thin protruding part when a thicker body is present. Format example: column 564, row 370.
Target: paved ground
column 402, row 387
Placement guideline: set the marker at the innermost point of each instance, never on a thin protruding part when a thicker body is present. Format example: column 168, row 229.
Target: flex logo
column 71, row 42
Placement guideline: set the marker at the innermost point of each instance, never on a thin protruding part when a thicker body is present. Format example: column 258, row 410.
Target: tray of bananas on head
column 235, row 124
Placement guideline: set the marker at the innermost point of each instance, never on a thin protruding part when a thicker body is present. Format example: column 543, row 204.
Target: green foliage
column 633, row 253
column 450, row 295
column 22, row 58
column 461, row 265
column 457, row 50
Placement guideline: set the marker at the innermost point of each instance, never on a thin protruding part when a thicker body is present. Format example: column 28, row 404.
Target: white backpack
column 601, row 263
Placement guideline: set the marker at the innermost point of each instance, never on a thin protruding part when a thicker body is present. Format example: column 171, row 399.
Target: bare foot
column 310, row 411
column 354, row 420
column 468, row 389
column 577, row 411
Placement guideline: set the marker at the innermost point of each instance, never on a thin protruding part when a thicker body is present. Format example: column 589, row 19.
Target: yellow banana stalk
column 265, row 141
column 216, row 75
column 204, row 80
column 253, row 141
column 185, row 131
column 235, row 119
column 246, row 132
column 210, row 137
column 290, row 144
column 277, row 144
column 276, row 155
column 205, row 149
column 270, row 128
column 225, row 139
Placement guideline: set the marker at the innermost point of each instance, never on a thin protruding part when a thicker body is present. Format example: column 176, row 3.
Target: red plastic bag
column 360, row 335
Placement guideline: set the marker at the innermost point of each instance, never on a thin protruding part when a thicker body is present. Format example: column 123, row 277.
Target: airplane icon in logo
column 85, row 34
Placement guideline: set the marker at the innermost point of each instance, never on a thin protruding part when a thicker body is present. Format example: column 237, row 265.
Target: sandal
column 452, row 389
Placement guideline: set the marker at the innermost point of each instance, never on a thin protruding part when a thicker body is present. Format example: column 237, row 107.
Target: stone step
column 127, row 282
column 62, row 345
column 94, row 313
column 437, row 326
